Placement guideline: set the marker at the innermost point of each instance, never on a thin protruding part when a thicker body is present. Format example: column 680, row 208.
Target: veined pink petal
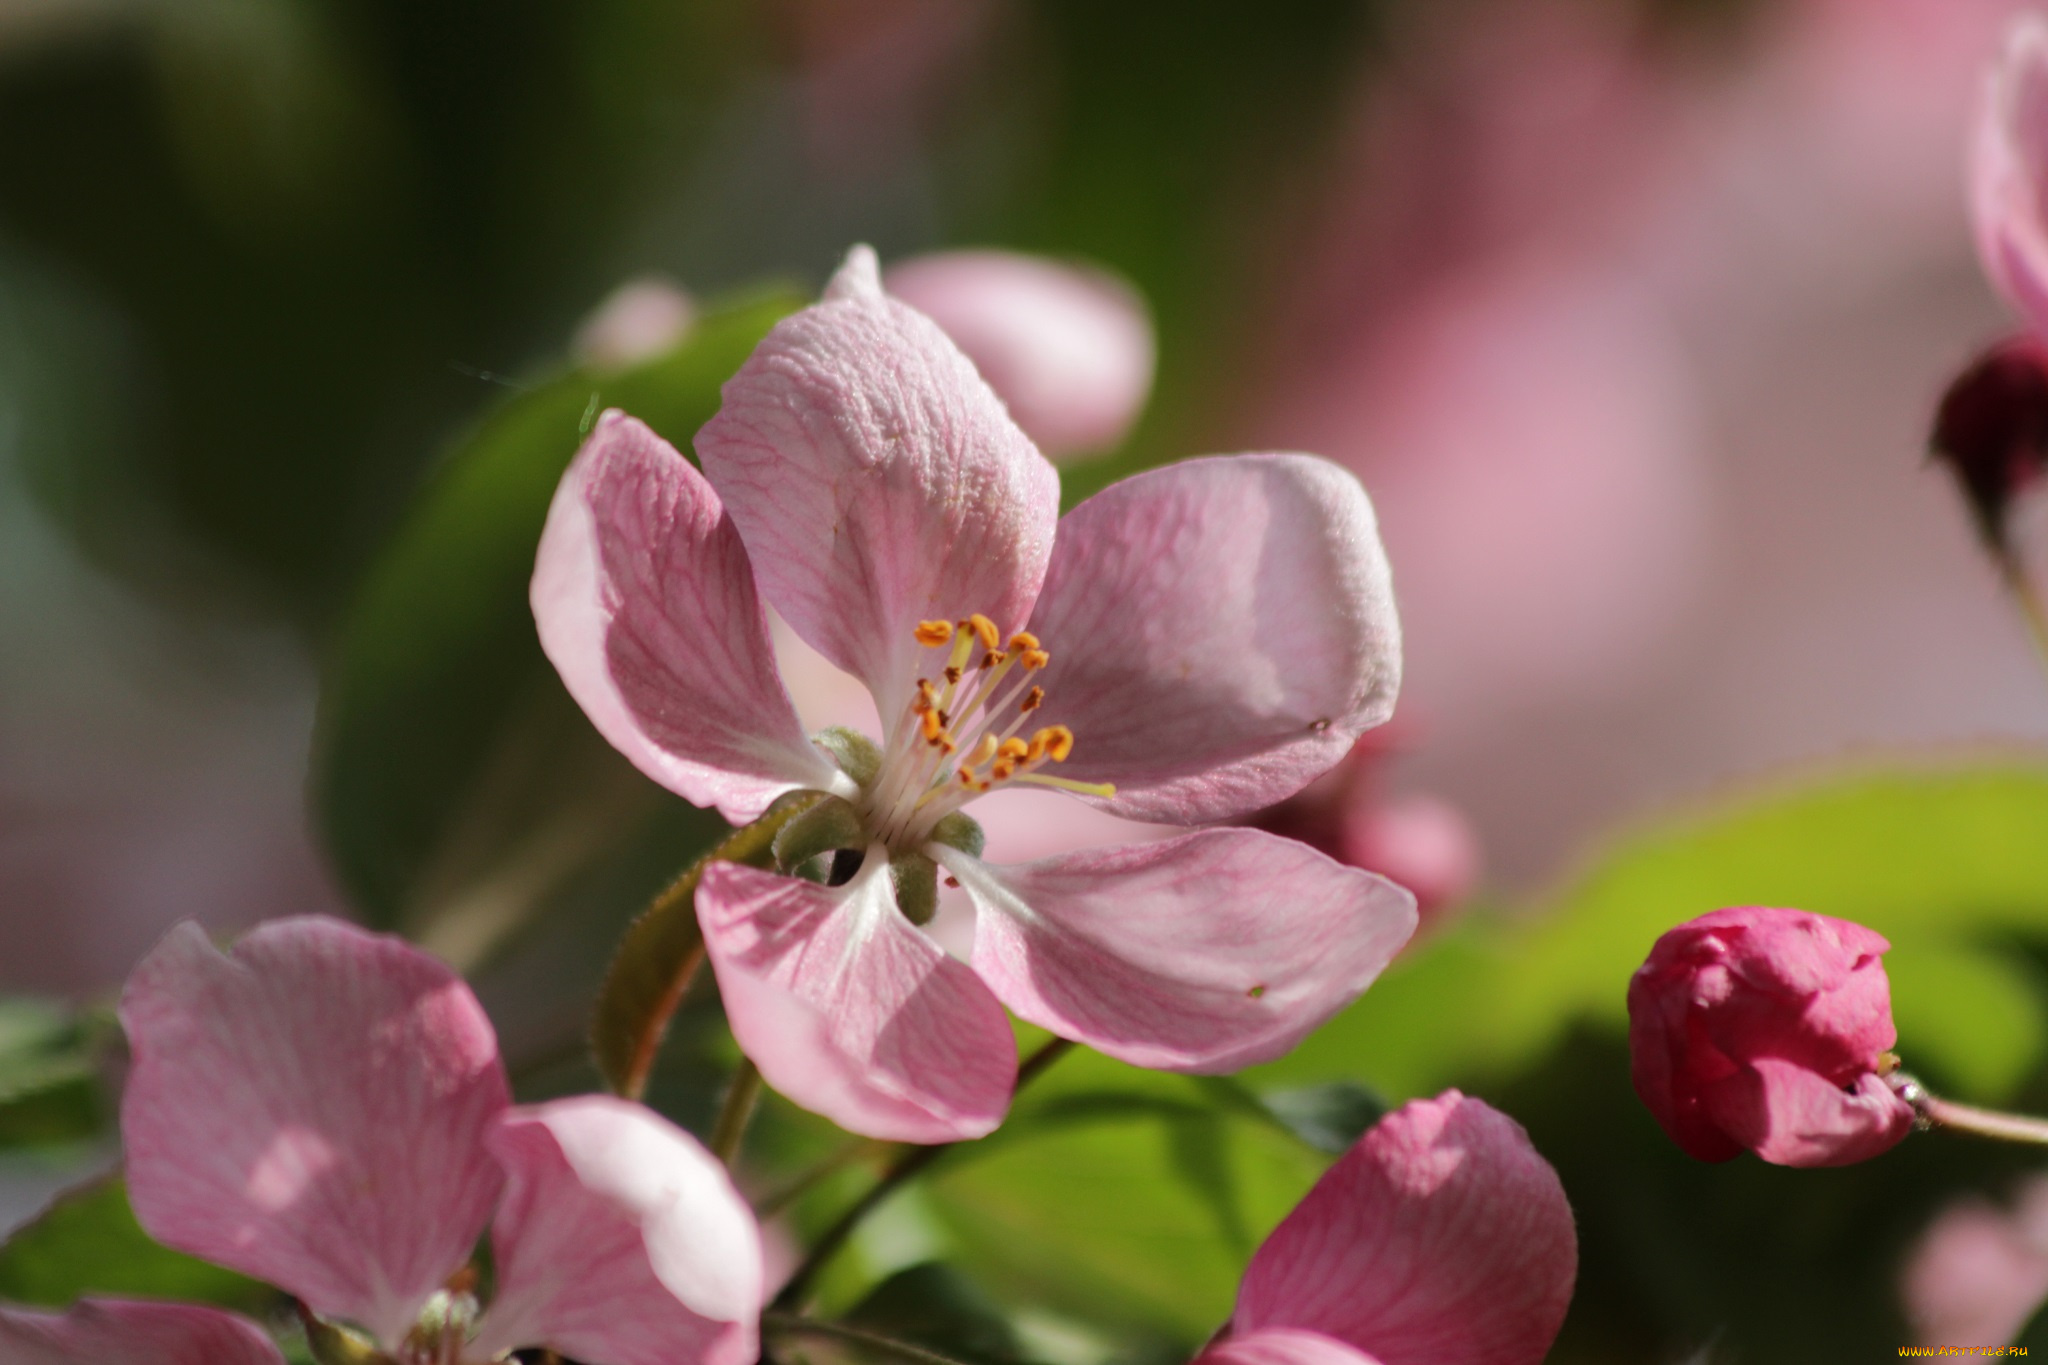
column 850, row 1011
column 619, row 1240
column 1791, row 1116
column 878, row 482
column 1221, row 631
column 1207, row 952
column 127, row 1332
column 2009, row 170
column 1067, row 348
column 1282, row 1346
column 1441, row 1238
column 309, row 1110
column 646, row 605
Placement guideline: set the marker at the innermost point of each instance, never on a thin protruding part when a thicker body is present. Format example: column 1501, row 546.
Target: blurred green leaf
column 449, row 757
column 88, row 1242
column 1329, row 1117
column 1951, row 865
column 49, row 1079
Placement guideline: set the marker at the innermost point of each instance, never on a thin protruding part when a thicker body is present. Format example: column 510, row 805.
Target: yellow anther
column 933, row 724
column 1033, row 699
column 966, row 778
column 990, row 660
column 1023, row 640
column 985, row 628
column 933, row 633
column 1012, row 749
column 982, row 752
column 1036, row 750
column 1002, row 771
column 952, row 674
column 1035, row 658
column 927, row 697
column 1059, row 741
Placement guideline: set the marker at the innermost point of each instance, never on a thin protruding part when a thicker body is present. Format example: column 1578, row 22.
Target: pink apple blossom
column 1440, row 1238
column 325, row 1109
column 122, row 1332
column 1187, row 646
column 1067, row 348
column 1765, row 1030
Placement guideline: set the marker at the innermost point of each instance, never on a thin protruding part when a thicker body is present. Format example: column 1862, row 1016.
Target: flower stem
column 795, row 1326
column 740, row 1098
column 2032, row 609
column 1936, row 1112
column 909, row 1163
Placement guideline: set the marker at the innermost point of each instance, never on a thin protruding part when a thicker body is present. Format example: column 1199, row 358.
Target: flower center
column 961, row 733
column 444, row 1326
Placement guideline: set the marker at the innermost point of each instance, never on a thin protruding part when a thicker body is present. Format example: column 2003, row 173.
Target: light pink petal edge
column 309, row 1110
column 620, row 1239
column 1221, row 630
column 646, row 605
column 1440, row 1238
column 1282, row 1346
column 852, row 1012
column 1790, row 1116
column 2009, row 170
column 1067, row 347
column 131, row 1332
column 878, row 482
column 1206, row 952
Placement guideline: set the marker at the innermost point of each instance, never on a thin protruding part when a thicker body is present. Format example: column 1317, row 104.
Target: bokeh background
column 1630, row 313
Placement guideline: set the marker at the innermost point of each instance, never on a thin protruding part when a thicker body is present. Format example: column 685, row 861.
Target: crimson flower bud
column 1763, row 1030
column 1992, row 431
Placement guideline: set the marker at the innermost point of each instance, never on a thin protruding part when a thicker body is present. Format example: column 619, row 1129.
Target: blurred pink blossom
column 641, row 319
column 1980, row 1271
column 122, row 1332
column 1068, row 348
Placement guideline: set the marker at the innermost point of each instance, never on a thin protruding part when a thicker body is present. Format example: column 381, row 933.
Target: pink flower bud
column 1068, row 349
column 1763, row 1029
column 1992, row 431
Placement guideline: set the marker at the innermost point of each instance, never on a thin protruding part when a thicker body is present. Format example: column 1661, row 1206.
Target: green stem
column 659, row 955
column 740, row 1098
column 791, row 1325
column 910, row 1163
column 777, row 1200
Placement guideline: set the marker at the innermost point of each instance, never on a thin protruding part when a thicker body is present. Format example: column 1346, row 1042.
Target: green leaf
column 1329, row 1117
column 936, row 1305
column 661, row 951
column 1122, row 1197
column 49, row 1077
column 446, row 742
column 1952, row 866
column 88, row 1242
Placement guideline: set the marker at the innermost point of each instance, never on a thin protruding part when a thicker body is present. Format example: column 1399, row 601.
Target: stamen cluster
column 960, row 734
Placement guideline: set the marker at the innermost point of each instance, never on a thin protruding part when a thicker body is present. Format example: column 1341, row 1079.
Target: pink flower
column 1067, row 348
column 1763, row 1029
column 2009, row 171
column 117, row 1332
column 1441, row 1238
column 1196, row 643
column 325, row 1109
column 1980, row 1272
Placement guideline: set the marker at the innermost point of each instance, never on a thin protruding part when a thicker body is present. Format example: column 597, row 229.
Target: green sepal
column 917, row 886
column 334, row 1345
column 859, row 757
column 959, row 830
column 827, row 827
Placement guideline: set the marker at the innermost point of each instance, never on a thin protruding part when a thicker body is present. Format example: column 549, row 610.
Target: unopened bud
column 1992, row 432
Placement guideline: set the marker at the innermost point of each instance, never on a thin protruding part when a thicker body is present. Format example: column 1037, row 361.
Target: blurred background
column 1630, row 313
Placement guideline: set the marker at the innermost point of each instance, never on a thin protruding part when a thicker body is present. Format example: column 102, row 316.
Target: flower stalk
column 1935, row 1112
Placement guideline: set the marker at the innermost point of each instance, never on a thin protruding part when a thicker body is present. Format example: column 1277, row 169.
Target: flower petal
column 1067, row 348
column 308, row 1110
column 646, row 605
column 1206, row 952
column 2009, row 170
column 1790, row 1116
column 850, row 1011
column 1221, row 631
column 1441, row 1238
column 878, row 482
column 1282, row 1346
column 620, row 1239
column 123, row 1332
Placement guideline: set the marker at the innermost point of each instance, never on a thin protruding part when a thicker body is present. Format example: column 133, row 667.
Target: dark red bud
column 1992, row 431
